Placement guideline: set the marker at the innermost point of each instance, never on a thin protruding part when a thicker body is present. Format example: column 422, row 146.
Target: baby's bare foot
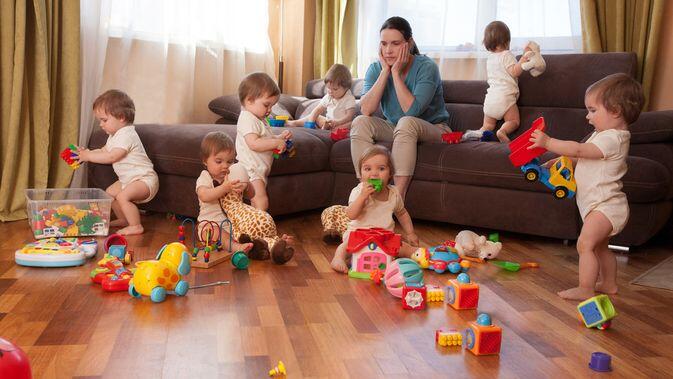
column 244, row 247
column 609, row 289
column 502, row 136
column 131, row 230
column 119, row 223
column 339, row 265
column 577, row 293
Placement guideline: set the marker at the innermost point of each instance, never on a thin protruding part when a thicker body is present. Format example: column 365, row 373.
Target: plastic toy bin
column 68, row 212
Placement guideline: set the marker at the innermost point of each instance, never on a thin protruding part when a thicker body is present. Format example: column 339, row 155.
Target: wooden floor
column 322, row 324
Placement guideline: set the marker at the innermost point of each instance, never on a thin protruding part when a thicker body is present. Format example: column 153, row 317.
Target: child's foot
column 609, row 289
column 339, row 265
column 119, row 223
column 331, row 237
column 577, row 293
column 281, row 252
column 131, row 230
column 244, row 247
column 502, row 136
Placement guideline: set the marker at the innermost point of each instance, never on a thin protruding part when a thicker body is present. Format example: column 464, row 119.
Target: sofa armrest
column 652, row 127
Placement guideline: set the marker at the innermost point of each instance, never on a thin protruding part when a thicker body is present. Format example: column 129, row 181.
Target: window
column 231, row 24
column 454, row 28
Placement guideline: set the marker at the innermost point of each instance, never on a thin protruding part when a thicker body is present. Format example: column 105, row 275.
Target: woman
column 408, row 88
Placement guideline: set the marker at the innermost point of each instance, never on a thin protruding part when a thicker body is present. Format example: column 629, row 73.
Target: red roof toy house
column 371, row 249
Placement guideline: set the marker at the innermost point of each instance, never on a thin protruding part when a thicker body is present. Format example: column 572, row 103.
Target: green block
column 376, row 183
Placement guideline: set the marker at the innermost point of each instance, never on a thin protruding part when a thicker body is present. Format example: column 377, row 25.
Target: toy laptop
column 56, row 252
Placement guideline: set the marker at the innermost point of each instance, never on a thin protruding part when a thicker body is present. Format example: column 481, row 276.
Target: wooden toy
column 155, row 278
column 482, row 337
column 371, row 249
column 461, row 294
column 56, row 252
column 211, row 248
column 597, row 312
column 414, row 296
column 448, row 337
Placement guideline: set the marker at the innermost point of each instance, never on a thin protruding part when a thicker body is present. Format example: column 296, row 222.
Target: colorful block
column 414, row 296
column 448, row 337
column 482, row 337
column 460, row 295
column 434, row 293
column 597, row 312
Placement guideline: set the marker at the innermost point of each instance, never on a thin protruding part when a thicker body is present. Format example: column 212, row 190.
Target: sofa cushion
column 315, row 89
column 229, row 107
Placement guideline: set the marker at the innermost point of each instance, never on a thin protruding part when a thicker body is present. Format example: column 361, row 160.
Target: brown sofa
column 471, row 184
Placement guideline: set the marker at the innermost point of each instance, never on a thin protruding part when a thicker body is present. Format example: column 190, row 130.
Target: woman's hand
column 539, row 139
column 402, row 60
column 385, row 67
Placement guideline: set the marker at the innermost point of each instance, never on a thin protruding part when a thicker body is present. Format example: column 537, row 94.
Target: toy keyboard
column 56, row 252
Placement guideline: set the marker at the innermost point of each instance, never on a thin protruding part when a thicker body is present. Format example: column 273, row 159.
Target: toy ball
column 240, row 260
column 465, row 265
column 454, row 267
column 400, row 272
column 13, row 361
column 484, row 319
column 463, row 278
column 238, row 172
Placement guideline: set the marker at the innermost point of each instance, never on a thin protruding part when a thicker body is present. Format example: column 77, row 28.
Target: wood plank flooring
column 322, row 324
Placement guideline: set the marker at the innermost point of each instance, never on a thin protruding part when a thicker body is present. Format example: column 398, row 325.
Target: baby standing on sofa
column 613, row 103
column 503, row 88
column 255, row 141
column 370, row 209
column 138, row 182
column 339, row 101
column 217, row 154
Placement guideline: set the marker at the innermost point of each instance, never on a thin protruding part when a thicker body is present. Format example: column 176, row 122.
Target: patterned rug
column 659, row 276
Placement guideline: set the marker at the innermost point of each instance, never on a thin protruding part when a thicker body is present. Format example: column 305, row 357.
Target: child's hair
column 374, row 151
column 256, row 85
column 496, row 34
column 619, row 93
column 116, row 103
column 339, row 75
column 215, row 142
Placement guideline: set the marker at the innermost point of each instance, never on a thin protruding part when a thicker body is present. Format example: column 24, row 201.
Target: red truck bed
column 519, row 153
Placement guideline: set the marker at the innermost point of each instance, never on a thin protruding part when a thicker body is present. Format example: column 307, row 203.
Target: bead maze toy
column 482, row 337
column 212, row 249
column 597, row 312
column 371, row 249
column 111, row 274
column 559, row 177
column 414, row 296
column 401, row 272
column 56, row 252
column 288, row 153
column 70, row 156
column 156, row 278
column 461, row 293
column 448, row 337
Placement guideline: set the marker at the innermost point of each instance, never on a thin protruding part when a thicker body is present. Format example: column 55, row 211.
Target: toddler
column 255, row 141
column 217, row 154
column 613, row 103
column 503, row 89
column 138, row 183
column 339, row 101
column 370, row 209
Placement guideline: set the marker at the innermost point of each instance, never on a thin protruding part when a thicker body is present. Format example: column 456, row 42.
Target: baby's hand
column 83, row 154
column 286, row 134
column 329, row 124
column 281, row 146
column 367, row 190
column 413, row 239
column 229, row 185
column 539, row 139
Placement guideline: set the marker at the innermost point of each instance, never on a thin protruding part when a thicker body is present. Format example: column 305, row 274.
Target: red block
column 414, row 297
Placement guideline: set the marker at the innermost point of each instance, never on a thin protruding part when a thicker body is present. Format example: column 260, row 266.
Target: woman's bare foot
column 131, row 230
column 502, row 136
column 119, row 223
column 339, row 265
column 244, row 247
column 609, row 289
column 577, row 293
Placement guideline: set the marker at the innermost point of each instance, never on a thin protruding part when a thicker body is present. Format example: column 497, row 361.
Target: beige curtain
column 336, row 23
column 624, row 25
column 39, row 97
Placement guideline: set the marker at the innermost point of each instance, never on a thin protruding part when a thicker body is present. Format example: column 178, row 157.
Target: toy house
column 372, row 249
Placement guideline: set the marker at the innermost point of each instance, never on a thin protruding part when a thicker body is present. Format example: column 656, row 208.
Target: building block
column 414, row 296
column 597, row 312
column 482, row 337
column 461, row 293
column 434, row 294
column 448, row 337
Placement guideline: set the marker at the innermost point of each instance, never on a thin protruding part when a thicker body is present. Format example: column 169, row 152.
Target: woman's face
column 391, row 43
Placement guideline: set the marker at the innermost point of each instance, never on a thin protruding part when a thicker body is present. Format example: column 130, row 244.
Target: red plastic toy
column 452, row 137
column 111, row 274
column 519, row 153
column 482, row 337
column 339, row 134
column 13, row 361
column 414, row 296
column 70, row 156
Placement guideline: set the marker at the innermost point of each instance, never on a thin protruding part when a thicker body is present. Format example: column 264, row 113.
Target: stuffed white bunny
column 536, row 64
column 470, row 244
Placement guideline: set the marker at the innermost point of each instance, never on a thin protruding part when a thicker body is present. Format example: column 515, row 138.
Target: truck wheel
column 560, row 192
column 531, row 175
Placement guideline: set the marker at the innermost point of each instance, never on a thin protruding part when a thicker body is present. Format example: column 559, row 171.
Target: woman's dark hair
column 402, row 26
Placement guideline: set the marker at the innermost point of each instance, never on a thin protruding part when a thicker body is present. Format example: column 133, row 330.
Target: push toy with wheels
column 156, row 278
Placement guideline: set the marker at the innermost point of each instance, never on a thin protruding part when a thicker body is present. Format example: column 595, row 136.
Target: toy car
column 558, row 178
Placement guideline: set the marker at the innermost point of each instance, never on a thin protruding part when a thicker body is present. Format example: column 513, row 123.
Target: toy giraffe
column 334, row 223
column 250, row 224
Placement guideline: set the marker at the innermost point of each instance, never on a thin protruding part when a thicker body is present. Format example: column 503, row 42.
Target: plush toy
column 536, row 64
column 470, row 244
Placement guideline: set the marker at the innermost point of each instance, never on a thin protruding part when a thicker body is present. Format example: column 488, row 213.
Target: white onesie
column 337, row 108
column 503, row 88
column 257, row 164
